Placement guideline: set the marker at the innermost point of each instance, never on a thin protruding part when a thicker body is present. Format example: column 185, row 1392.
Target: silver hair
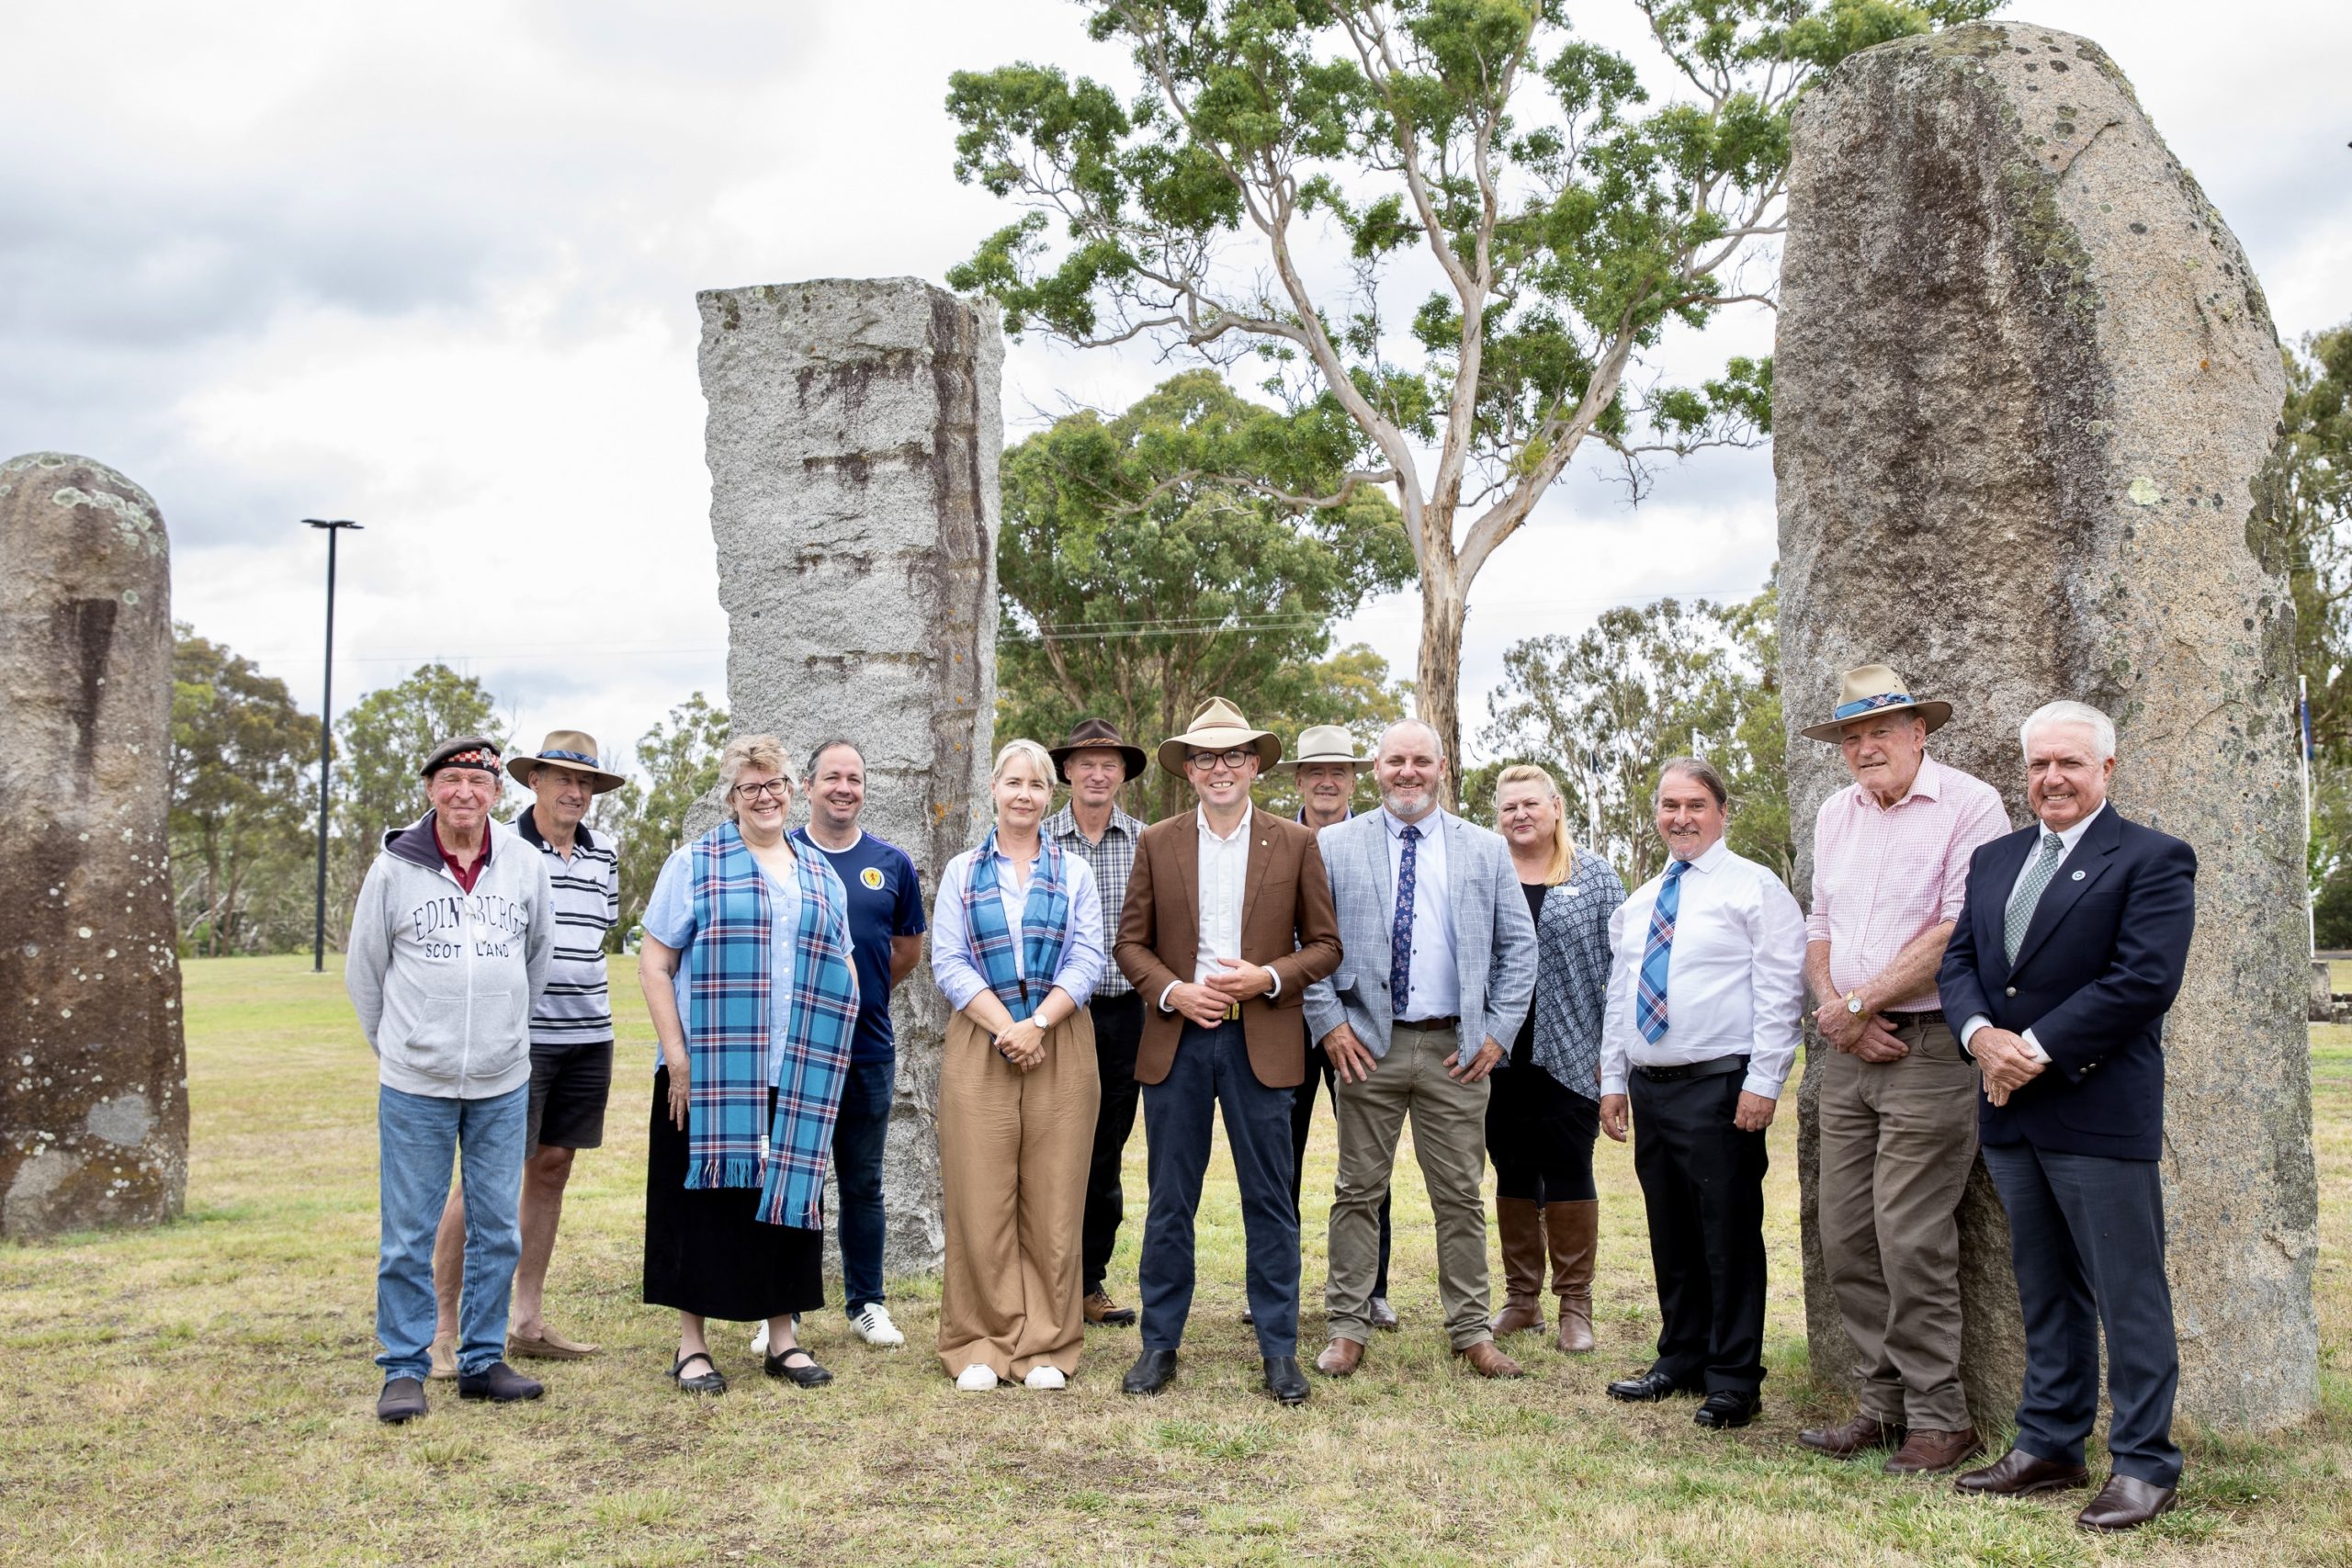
column 1437, row 742
column 764, row 752
column 1699, row 771
column 1028, row 751
column 2102, row 727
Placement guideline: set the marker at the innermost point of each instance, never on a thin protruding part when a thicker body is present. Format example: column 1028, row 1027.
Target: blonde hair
column 1028, row 751
column 764, row 752
column 1563, row 848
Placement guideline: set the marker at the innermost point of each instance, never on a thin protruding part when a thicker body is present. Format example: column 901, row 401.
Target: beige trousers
column 1897, row 1140
column 1450, row 1137
column 1014, row 1149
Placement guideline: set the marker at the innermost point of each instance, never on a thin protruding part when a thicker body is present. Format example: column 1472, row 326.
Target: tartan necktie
column 1400, row 931
column 1658, row 955
column 2036, row 876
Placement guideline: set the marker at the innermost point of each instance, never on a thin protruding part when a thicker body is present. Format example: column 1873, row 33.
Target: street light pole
column 326, row 742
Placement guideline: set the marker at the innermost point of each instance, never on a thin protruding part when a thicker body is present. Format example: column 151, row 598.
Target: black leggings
column 1540, row 1135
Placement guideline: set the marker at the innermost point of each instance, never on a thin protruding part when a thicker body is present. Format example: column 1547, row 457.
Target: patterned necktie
column 2029, row 892
column 1649, row 1003
column 1400, row 931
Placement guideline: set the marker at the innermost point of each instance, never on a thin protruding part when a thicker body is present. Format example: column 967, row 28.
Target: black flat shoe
column 808, row 1375
column 1648, row 1388
column 498, row 1383
column 1153, row 1371
column 711, row 1381
column 403, row 1400
column 1724, row 1409
column 1285, row 1381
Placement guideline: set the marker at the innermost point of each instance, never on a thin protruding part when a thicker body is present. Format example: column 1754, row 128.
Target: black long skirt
column 705, row 1250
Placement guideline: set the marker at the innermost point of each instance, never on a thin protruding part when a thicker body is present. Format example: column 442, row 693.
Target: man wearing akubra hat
column 1097, row 763
column 1228, row 921
column 572, row 1036
column 1897, row 1106
column 449, row 948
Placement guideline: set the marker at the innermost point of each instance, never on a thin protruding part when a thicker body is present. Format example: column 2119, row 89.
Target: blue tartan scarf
column 727, row 1034
column 1045, row 921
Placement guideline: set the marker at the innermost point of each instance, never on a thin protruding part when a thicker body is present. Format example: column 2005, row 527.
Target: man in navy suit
column 2064, row 961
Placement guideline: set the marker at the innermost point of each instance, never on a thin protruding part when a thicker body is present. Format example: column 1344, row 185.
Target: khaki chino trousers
column 1897, row 1142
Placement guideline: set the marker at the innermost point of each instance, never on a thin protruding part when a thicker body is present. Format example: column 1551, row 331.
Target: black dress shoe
column 1726, row 1408
column 1285, row 1381
column 809, row 1375
column 403, row 1399
column 1647, row 1388
column 500, row 1383
column 1153, row 1371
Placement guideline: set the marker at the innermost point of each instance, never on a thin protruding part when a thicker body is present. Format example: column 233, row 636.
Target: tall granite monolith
column 853, row 445
column 93, row 1084
column 2024, row 404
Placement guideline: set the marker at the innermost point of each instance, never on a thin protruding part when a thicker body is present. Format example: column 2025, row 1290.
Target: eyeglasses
column 778, row 788
column 1209, row 762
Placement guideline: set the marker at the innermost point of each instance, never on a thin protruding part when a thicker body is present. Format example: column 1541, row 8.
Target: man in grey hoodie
column 448, row 951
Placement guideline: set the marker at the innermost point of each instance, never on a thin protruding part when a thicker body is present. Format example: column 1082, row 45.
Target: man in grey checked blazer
column 1434, row 981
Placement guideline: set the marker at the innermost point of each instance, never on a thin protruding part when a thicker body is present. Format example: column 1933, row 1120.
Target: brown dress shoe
column 2018, row 1474
column 1340, row 1358
column 1858, row 1435
column 2126, row 1503
column 1520, row 1220
column 1928, row 1451
column 1104, row 1313
column 1490, row 1362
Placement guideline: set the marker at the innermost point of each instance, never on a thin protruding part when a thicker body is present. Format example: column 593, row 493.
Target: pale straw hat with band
column 1870, row 691
column 573, row 749
column 1219, row 727
column 1324, row 743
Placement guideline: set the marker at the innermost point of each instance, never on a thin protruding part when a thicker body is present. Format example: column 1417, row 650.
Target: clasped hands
column 1022, row 1043
column 1862, row 1034
column 1206, row 1003
column 2006, row 1062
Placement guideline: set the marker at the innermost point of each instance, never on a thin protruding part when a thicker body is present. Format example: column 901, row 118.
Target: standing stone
column 853, row 446
column 2025, row 403
column 93, row 1086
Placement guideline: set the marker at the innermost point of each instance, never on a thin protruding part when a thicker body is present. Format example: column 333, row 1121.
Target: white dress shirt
column 1436, row 984
column 1223, row 878
column 2067, row 839
column 1734, row 986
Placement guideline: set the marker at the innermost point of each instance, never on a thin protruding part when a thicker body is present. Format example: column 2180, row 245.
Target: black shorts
column 569, row 1086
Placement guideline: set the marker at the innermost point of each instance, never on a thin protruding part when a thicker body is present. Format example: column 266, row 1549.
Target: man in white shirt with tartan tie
column 1706, row 991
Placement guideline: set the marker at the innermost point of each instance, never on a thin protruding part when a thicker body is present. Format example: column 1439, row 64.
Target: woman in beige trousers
column 1017, row 950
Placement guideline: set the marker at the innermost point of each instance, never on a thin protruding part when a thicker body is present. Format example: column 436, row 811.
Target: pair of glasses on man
column 1209, row 762
column 776, row 787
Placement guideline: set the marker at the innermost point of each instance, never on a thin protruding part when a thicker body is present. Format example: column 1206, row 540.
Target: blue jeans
column 859, row 1132
column 420, row 1136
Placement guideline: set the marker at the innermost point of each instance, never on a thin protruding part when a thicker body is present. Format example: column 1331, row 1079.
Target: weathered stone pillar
column 2025, row 402
column 853, row 446
column 93, row 1086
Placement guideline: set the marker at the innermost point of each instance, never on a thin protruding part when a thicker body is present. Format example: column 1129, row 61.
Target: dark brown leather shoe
column 1340, row 1358
column 2018, row 1474
column 2126, row 1503
column 1928, row 1451
column 1104, row 1313
column 1490, row 1362
column 1859, row 1436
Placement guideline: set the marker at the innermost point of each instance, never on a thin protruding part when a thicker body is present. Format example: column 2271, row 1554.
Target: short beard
column 1389, row 800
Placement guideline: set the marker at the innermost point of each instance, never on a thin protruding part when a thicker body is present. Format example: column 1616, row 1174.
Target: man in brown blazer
column 1227, row 920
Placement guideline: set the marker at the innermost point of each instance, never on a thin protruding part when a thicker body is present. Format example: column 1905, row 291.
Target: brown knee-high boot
column 1574, row 1230
column 1522, row 1222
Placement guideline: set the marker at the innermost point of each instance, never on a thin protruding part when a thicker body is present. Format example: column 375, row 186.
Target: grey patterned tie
column 2029, row 892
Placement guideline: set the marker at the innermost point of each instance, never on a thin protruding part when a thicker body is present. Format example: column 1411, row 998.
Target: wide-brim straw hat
column 1870, row 691
column 1097, row 733
column 1324, row 743
column 1218, row 725
column 573, row 749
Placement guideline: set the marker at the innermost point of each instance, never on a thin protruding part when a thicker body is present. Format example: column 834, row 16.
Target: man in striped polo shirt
column 571, row 1031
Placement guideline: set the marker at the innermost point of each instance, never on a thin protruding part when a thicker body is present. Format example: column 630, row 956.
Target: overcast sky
column 433, row 267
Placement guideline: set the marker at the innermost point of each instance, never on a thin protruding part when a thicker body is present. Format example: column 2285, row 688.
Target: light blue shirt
column 957, row 968
column 670, row 920
column 1437, row 983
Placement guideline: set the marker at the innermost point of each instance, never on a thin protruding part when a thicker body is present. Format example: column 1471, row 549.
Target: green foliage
column 646, row 821
column 243, row 801
column 381, row 740
column 1148, row 562
column 2307, row 502
column 1604, row 711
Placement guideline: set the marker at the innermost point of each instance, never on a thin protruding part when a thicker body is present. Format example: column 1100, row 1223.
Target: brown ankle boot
column 1522, row 1222
column 1574, row 1231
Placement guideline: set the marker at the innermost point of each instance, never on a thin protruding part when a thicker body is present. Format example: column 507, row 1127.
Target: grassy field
column 202, row 1393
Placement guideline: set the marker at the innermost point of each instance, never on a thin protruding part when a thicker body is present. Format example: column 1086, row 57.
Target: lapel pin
column 2079, row 876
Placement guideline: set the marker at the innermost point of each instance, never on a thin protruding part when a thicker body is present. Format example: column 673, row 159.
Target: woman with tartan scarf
column 746, row 973
column 1016, row 947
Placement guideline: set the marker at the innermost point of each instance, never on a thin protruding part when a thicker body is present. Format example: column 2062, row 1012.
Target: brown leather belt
column 1429, row 1026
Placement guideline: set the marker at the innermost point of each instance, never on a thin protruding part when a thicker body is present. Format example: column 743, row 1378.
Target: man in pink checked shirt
column 1897, row 1109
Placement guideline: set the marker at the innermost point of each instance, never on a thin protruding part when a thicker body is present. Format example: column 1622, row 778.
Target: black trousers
column 1702, row 1183
column 1540, row 1135
column 1301, row 1122
column 1118, row 1031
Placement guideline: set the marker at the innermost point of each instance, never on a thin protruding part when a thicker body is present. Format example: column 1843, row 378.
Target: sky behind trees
column 433, row 267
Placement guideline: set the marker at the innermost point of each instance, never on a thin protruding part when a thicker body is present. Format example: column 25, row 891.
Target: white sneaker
column 977, row 1379
column 1045, row 1377
column 873, row 1326
column 760, row 1339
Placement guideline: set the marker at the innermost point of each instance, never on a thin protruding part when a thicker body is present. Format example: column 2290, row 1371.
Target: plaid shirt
column 1112, row 861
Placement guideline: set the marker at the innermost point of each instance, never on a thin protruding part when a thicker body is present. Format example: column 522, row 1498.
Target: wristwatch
column 1854, row 1003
